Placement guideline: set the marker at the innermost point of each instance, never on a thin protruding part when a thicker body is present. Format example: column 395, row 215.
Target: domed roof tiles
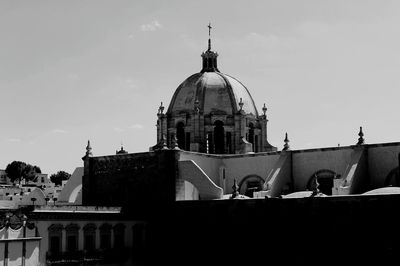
column 216, row 93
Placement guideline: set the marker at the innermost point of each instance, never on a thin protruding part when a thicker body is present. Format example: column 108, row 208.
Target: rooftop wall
column 307, row 162
column 381, row 160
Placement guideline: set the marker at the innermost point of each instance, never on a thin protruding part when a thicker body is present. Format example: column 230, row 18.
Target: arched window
column 72, row 233
column 119, row 236
column 250, row 184
column 105, row 236
column 393, row 178
column 89, row 237
column 180, row 135
column 325, row 181
column 219, row 137
column 251, row 135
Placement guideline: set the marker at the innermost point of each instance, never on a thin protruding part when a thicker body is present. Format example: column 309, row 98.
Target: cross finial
column 209, row 36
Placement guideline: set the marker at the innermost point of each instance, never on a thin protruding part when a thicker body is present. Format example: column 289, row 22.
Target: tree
column 59, row 177
column 30, row 172
column 18, row 170
column 14, row 170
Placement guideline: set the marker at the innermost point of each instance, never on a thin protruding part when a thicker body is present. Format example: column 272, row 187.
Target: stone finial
column 264, row 109
column 175, row 145
column 361, row 138
column 235, row 188
column 88, row 149
column 241, row 104
column 316, row 188
column 121, row 151
column 286, row 140
column 161, row 109
column 163, row 143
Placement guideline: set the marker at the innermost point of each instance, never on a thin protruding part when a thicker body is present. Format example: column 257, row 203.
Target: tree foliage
column 18, row 170
column 59, row 177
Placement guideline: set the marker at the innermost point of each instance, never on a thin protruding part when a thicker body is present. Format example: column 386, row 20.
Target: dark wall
column 133, row 181
column 316, row 231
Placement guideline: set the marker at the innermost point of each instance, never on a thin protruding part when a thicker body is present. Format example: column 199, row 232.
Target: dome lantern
column 209, row 57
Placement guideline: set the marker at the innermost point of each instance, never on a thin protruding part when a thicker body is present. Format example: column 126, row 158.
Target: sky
column 73, row 71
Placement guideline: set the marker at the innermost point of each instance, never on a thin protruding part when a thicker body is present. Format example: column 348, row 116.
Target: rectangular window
column 55, row 245
column 210, row 144
column 256, row 143
column 89, row 242
column 229, row 142
column 105, row 241
column 72, row 244
column 187, row 142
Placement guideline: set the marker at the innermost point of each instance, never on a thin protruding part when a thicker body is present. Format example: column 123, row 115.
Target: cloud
column 13, row 140
column 118, row 129
column 58, row 131
column 137, row 126
column 153, row 26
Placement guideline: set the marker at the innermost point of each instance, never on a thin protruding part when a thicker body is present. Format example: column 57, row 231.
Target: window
column 251, row 135
column 119, row 236
column 180, row 135
column 322, row 181
column 55, row 236
column 55, row 245
column 138, row 231
column 250, row 184
column 105, row 236
column 219, row 137
column 229, row 142
column 210, row 145
column 187, row 143
column 89, row 237
column 72, row 233
column 255, row 148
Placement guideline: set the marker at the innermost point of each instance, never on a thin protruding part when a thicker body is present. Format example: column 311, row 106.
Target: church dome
column 212, row 92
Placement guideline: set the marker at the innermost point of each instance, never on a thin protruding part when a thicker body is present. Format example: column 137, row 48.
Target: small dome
column 215, row 92
column 383, row 190
column 302, row 194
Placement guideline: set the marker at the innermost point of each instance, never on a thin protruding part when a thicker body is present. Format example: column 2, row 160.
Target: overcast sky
column 77, row 70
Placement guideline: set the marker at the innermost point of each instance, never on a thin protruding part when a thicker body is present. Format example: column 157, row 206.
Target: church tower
column 211, row 112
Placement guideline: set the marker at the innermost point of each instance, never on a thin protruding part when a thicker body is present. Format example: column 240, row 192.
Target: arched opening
column 251, row 135
column 325, row 181
column 250, row 184
column 219, row 137
column 180, row 135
